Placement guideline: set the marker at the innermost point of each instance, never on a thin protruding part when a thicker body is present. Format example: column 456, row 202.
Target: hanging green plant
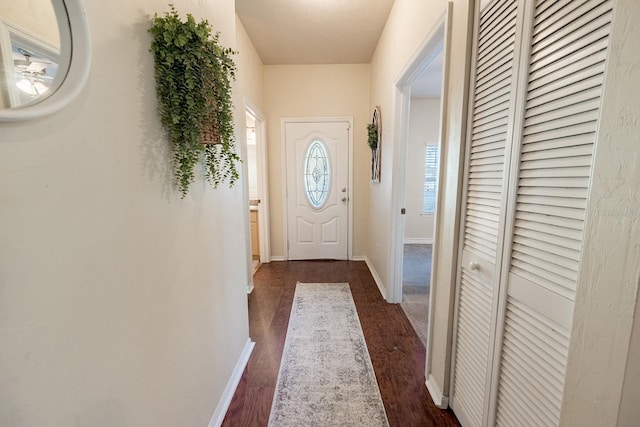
column 373, row 141
column 193, row 76
column 372, row 130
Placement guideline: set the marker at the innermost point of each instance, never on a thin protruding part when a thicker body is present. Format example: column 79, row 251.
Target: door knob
column 344, row 190
column 344, row 200
column 474, row 266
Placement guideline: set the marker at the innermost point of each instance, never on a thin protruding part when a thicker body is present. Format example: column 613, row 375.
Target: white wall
column 120, row 303
column 318, row 91
column 409, row 24
column 629, row 409
column 424, row 129
column 250, row 91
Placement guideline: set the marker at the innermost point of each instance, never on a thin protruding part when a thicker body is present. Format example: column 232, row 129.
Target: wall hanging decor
column 193, row 76
column 374, row 134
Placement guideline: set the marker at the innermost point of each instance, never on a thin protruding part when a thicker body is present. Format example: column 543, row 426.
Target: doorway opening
column 434, row 52
column 422, row 161
column 257, row 184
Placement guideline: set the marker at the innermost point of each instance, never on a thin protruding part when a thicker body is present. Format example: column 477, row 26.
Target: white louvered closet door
column 484, row 212
column 568, row 49
column 534, row 114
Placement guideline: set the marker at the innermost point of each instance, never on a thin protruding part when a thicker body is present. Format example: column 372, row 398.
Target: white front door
column 317, row 170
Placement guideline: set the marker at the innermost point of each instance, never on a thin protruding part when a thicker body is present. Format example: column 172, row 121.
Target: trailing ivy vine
column 372, row 136
column 193, row 85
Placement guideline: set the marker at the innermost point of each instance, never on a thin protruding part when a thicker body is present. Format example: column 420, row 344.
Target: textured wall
column 607, row 290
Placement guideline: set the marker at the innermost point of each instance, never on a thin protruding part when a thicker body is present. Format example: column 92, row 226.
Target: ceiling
column 325, row 32
column 314, row 31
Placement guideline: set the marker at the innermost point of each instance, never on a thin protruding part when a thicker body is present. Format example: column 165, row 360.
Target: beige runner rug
column 326, row 377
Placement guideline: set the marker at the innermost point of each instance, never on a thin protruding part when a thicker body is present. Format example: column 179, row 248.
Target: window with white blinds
column 431, row 160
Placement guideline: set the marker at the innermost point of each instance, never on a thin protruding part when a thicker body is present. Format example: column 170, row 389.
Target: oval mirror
column 44, row 56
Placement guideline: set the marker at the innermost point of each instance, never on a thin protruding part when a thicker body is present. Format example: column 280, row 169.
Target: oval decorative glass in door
column 317, row 174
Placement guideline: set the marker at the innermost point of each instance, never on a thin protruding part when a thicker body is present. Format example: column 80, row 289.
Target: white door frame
column 285, row 216
column 263, row 178
column 436, row 41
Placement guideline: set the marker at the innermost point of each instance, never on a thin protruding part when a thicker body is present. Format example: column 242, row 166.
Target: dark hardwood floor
column 397, row 354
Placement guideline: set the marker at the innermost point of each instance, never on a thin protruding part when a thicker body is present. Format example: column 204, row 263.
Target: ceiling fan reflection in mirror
column 34, row 75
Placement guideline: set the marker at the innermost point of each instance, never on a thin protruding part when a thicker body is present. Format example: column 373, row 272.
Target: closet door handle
column 474, row 266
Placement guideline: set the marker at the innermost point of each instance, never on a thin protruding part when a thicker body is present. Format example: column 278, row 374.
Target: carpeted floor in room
column 416, row 277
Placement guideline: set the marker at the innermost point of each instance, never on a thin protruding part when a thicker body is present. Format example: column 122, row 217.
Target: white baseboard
column 232, row 384
column 418, row 241
column 278, row 258
column 250, row 288
column 375, row 275
column 439, row 399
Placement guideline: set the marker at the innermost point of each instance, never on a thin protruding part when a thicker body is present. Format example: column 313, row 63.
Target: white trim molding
column 374, row 274
column 418, row 240
column 440, row 400
column 232, row 384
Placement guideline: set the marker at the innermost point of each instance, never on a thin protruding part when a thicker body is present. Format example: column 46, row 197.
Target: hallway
column 396, row 352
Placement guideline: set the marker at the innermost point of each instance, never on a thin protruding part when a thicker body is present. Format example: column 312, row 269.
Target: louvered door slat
column 502, row 66
column 490, row 127
column 560, row 275
column 564, row 11
column 472, row 341
column 495, row 15
column 493, row 66
column 484, row 168
column 566, row 108
column 544, row 240
column 560, row 34
column 558, row 104
column 552, row 64
column 498, row 45
column 532, row 222
column 557, row 143
column 544, row 5
column 523, row 242
column 497, row 40
column 557, row 163
column 567, row 65
column 556, row 259
column 532, row 369
column 566, row 82
column 488, row 146
column 552, row 201
column 524, row 370
column 490, row 115
column 527, row 399
column 550, row 220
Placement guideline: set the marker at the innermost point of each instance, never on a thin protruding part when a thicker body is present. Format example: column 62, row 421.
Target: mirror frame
column 71, row 14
